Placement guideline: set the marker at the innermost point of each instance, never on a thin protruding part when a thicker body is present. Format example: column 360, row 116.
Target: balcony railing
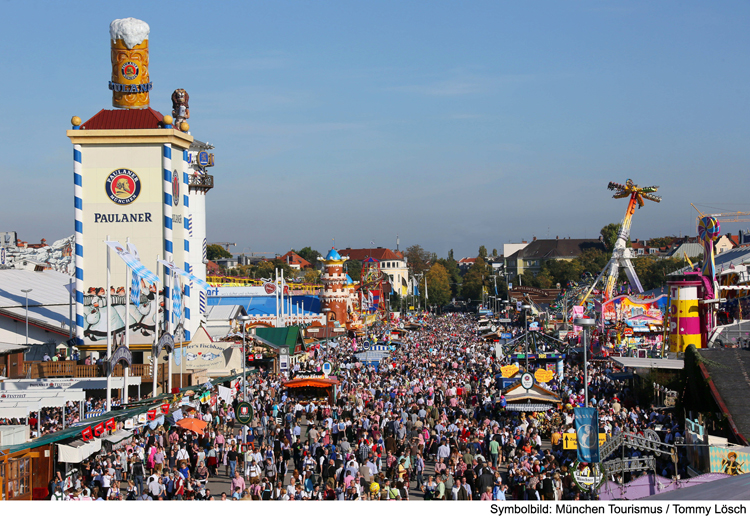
column 203, row 181
column 72, row 369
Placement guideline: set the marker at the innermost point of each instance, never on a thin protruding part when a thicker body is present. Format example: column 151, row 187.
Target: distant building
column 531, row 257
column 294, row 260
column 392, row 264
column 466, row 262
column 228, row 263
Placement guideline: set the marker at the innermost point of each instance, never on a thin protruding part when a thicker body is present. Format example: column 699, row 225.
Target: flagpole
column 170, row 356
column 283, row 318
column 155, row 354
column 126, row 367
column 109, row 335
column 276, row 293
column 182, row 335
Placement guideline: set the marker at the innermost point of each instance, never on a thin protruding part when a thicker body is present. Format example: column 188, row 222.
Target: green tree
column 527, row 279
column 661, row 242
column 353, row 267
column 494, row 252
column 561, row 271
column 454, row 274
column 310, row 255
column 438, row 285
column 609, row 235
column 216, row 251
column 593, row 261
column 483, row 252
column 311, row 277
column 418, row 259
column 475, row 280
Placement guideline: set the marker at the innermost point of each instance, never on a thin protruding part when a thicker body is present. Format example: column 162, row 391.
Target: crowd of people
column 430, row 422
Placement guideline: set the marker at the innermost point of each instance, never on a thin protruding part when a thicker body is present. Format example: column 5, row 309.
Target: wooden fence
column 72, row 369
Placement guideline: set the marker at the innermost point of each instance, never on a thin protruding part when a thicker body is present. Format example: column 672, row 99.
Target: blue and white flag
column 133, row 262
column 187, row 275
column 587, row 434
column 135, row 290
column 176, row 302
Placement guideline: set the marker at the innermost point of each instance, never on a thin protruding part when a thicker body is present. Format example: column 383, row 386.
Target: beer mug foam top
column 130, row 83
column 130, row 30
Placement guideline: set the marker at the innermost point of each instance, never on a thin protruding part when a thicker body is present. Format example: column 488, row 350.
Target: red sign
column 165, row 408
column 250, row 358
column 628, row 332
column 99, row 429
column 213, row 400
column 270, row 288
column 286, row 290
column 110, row 424
column 151, row 415
column 87, row 434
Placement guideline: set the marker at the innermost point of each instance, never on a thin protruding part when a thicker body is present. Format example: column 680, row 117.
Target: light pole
column 526, row 335
column 585, row 323
column 242, row 319
column 26, row 291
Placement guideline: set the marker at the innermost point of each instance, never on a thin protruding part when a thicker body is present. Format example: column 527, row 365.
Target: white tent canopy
column 78, row 450
column 66, row 383
column 36, row 404
column 14, row 411
column 12, row 395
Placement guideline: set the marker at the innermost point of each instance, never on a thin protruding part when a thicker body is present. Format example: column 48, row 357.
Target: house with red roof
column 294, row 260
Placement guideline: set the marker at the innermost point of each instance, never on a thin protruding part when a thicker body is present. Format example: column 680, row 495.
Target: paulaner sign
column 130, row 88
column 122, row 217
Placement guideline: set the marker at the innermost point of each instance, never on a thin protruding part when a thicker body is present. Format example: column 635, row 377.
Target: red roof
column 381, row 254
column 292, row 258
column 142, row 118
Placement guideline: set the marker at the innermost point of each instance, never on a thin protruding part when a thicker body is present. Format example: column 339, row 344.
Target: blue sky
column 451, row 124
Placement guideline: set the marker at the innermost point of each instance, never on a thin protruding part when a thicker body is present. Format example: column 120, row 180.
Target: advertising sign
column 587, row 477
column 542, row 375
column 244, row 413
column 577, row 313
column 509, row 370
column 732, row 461
column 626, row 307
column 587, row 432
column 570, row 441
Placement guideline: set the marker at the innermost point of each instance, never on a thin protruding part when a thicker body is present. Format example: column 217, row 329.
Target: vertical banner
column 587, row 434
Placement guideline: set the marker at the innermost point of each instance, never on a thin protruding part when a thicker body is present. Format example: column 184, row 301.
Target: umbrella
column 194, row 425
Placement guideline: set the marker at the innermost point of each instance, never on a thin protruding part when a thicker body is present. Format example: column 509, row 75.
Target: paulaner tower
column 135, row 178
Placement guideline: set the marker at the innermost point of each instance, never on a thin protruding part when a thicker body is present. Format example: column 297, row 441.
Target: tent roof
column 120, row 414
column 280, row 336
column 654, row 363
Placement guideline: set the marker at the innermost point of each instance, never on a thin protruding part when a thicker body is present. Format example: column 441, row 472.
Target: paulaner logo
column 122, row 186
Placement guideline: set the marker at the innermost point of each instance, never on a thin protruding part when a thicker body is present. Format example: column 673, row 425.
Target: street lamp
column 26, row 291
column 243, row 318
column 526, row 309
column 586, row 323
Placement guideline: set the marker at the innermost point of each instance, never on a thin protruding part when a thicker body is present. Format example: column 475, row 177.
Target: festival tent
column 536, row 398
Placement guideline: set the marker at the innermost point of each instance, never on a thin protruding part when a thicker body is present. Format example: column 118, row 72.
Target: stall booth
column 536, row 398
column 309, row 388
column 25, row 471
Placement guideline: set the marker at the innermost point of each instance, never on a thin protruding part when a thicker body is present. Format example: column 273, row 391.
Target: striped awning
column 530, row 406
